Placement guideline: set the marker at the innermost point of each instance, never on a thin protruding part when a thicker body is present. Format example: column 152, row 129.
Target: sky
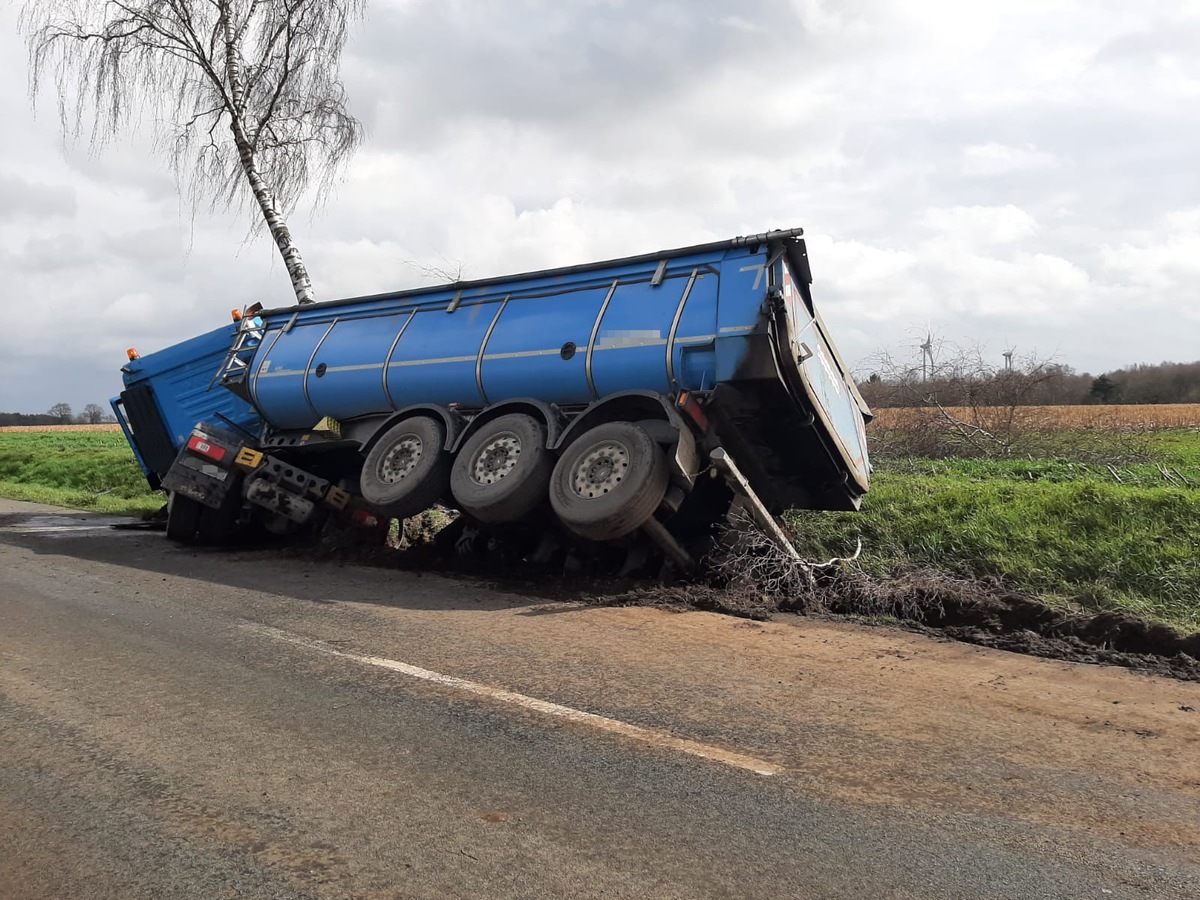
column 1009, row 175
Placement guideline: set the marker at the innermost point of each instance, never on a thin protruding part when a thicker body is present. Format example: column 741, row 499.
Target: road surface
column 187, row 723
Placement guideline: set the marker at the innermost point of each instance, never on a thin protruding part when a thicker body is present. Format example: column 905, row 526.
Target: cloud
column 1163, row 261
column 977, row 225
column 25, row 201
column 994, row 159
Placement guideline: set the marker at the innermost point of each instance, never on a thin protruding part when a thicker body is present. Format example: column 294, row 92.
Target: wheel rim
column 496, row 459
column 400, row 461
column 600, row 470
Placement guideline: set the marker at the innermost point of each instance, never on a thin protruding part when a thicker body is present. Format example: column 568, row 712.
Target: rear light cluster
column 691, row 407
column 364, row 519
column 360, row 518
column 201, row 446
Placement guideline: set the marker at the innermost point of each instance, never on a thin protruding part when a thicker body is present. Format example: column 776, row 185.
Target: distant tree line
column 959, row 378
column 60, row 414
column 962, row 378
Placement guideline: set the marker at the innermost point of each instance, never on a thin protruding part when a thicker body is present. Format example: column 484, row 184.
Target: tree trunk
column 262, row 193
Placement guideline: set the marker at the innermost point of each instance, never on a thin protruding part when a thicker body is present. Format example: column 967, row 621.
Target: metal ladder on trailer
column 235, row 369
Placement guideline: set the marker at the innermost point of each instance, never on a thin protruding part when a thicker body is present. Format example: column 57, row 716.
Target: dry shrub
column 755, row 572
column 955, row 402
column 1108, row 434
column 749, row 575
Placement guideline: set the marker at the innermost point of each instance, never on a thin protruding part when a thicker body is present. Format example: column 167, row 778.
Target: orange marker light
column 132, row 354
column 237, row 314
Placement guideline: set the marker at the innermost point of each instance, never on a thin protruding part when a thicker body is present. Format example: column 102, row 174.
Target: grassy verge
column 90, row 470
column 1085, row 534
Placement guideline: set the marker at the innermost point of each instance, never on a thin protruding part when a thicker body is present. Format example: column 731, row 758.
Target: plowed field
column 1115, row 417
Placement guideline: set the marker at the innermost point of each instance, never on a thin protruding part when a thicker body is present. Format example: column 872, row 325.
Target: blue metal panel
column 743, row 290
column 353, row 355
column 525, row 355
column 525, row 322
column 279, row 377
column 435, row 360
column 693, row 363
column 630, row 350
column 505, row 337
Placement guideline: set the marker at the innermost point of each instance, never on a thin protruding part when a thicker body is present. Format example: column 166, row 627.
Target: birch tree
column 243, row 97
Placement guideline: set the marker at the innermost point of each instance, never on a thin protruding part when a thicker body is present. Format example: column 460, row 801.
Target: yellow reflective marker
column 249, row 459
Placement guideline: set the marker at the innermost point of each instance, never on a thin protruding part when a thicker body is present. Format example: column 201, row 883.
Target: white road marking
column 651, row 736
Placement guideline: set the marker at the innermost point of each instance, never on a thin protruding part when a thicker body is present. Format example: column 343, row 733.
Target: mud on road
column 982, row 612
column 972, row 612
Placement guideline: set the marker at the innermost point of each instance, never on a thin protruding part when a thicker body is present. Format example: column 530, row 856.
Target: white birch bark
column 263, row 194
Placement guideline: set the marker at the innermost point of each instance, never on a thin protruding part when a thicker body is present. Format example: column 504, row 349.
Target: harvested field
column 1116, row 417
column 108, row 426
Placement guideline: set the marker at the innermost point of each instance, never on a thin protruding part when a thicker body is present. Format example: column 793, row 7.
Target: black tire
column 502, row 472
column 609, row 482
column 407, row 471
column 216, row 526
column 183, row 518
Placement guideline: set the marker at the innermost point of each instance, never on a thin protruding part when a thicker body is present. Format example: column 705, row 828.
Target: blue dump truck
column 632, row 403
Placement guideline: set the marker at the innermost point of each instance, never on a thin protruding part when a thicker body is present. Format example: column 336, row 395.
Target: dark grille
column 149, row 432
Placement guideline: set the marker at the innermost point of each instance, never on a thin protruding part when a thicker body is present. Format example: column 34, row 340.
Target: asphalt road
column 181, row 723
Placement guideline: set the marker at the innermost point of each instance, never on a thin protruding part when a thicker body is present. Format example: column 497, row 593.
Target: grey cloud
column 22, row 200
column 155, row 250
column 151, row 252
column 437, row 63
column 1170, row 38
column 137, row 170
column 60, row 253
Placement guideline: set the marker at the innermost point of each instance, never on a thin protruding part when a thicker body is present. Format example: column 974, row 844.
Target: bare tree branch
column 120, row 63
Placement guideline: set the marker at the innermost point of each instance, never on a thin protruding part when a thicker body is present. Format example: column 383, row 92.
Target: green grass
column 83, row 470
column 1067, row 532
column 1057, row 471
column 1178, row 448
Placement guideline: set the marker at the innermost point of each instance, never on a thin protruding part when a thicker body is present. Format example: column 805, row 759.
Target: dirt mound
column 976, row 612
column 983, row 612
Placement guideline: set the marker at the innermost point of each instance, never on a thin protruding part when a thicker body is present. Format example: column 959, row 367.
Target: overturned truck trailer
column 625, row 403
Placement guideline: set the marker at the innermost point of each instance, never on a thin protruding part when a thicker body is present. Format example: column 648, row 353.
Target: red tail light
column 694, row 411
column 364, row 519
column 202, row 447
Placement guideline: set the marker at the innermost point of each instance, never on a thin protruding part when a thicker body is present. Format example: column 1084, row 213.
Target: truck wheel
column 503, row 470
column 183, row 518
column 406, row 472
column 609, row 482
column 216, row 526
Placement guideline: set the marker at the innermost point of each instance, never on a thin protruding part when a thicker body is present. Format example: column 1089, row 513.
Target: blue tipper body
column 678, row 320
column 733, row 321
